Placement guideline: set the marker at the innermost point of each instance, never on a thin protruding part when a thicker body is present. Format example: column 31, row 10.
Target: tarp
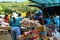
column 47, row 3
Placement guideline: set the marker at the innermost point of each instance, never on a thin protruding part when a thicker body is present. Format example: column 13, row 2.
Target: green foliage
column 18, row 7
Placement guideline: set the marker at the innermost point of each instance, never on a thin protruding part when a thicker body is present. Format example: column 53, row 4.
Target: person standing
column 56, row 20
column 47, row 20
column 15, row 26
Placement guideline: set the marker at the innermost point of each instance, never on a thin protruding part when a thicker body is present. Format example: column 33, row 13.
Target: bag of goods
column 4, row 24
column 36, row 23
column 31, row 23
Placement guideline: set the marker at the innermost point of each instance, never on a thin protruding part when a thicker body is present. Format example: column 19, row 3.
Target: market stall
column 32, row 30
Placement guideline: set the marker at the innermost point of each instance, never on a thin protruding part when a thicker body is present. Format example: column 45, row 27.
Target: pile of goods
column 30, row 35
column 29, row 24
column 38, row 33
column 4, row 27
column 3, row 24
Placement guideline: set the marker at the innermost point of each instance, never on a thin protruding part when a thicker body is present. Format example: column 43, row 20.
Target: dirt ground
column 5, row 37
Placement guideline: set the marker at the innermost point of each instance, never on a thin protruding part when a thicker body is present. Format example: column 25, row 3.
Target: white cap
column 14, row 14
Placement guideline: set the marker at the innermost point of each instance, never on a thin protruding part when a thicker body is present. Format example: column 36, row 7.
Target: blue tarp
column 47, row 3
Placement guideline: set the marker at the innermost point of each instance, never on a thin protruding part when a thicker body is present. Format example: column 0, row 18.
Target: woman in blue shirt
column 15, row 27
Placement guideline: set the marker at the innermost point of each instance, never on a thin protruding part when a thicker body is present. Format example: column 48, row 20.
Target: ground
column 8, row 36
column 5, row 37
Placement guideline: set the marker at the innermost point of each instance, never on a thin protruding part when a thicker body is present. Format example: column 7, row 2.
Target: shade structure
column 48, row 6
column 46, row 3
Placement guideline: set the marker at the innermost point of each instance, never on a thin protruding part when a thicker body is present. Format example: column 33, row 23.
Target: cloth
column 15, row 32
column 42, row 33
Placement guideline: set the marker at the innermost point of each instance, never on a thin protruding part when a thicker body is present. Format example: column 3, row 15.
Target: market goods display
column 31, row 35
column 4, row 26
column 32, row 30
column 29, row 23
column 24, row 22
column 36, row 31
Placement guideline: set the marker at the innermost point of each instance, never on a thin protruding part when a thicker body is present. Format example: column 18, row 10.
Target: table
column 7, row 28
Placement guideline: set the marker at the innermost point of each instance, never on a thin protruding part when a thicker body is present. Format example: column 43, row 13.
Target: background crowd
column 14, row 20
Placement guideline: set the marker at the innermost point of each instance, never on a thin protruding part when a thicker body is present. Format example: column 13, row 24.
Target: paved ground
column 5, row 37
column 8, row 36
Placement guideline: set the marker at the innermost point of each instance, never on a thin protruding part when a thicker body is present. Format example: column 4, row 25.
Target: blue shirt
column 17, row 22
column 47, row 21
column 56, row 20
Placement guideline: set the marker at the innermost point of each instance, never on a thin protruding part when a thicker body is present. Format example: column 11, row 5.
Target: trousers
column 15, row 32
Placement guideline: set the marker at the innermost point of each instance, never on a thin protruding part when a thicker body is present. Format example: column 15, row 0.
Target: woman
column 6, row 18
column 15, row 26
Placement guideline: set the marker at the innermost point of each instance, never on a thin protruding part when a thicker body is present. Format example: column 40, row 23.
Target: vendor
column 6, row 18
column 15, row 26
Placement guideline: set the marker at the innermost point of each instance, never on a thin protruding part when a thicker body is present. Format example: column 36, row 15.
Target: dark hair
column 6, row 15
column 33, row 17
column 0, row 17
column 14, row 19
column 47, row 16
column 41, row 21
column 19, row 15
column 28, row 13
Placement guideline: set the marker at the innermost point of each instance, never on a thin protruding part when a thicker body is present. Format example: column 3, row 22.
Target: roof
column 46, row 3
